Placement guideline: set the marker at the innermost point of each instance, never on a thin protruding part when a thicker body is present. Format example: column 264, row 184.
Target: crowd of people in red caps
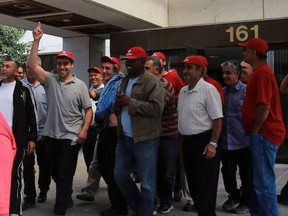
column 153, row 136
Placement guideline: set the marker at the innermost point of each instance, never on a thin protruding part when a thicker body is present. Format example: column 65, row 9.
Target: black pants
column 89, row 145
column 284, row 191
column 177, row 185
column 106, row 159
column 16, row 184
column 231, row 159
column 62, row 161
column 29, row 177
column 29, row 174
column 202, row 174
column 166, row 169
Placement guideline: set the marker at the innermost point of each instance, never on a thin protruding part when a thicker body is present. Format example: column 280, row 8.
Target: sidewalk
column 101, row 202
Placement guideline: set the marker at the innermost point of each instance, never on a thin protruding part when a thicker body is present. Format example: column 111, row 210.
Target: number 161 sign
column 242, row 33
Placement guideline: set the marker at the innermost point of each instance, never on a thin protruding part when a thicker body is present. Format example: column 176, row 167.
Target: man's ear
column 164, row 63
column 254, row 52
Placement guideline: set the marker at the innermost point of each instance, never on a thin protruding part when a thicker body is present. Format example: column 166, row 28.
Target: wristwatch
column 213, row 144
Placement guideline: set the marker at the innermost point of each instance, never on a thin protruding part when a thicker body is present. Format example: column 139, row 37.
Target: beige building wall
column 173, row 13
column 195, row 12
column 152, row 11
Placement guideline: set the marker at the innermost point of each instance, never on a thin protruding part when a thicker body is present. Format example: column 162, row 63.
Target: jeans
column 141, row 156
column 166, row 170
column 263, row 192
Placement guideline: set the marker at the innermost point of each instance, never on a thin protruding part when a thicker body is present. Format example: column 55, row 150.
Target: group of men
column 137, row 123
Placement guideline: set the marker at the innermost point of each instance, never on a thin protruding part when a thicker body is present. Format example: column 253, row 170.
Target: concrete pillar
column 87, row 52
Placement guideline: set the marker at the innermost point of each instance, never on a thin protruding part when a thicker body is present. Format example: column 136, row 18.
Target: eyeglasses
column 235, row 65
column 232, row 63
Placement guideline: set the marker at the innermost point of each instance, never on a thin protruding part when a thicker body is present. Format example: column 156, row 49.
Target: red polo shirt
column 217, row 86
column 262, row 88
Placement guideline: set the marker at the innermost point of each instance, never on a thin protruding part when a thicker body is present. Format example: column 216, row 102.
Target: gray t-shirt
column 65, row 102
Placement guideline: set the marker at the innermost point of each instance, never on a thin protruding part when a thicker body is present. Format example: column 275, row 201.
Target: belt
column 193, row 136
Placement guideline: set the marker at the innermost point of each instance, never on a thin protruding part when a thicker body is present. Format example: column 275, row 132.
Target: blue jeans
column 263, row 193
column 142, row 157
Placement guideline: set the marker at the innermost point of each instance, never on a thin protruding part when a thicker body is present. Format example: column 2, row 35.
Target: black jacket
column 24, row 125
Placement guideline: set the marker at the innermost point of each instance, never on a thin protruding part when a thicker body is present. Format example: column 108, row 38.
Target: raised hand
column 38, row 32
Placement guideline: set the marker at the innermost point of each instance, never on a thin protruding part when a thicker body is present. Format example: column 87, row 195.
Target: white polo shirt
column 198, row 107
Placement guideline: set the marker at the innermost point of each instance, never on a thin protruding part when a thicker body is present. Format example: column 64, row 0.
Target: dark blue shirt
column 233, row 136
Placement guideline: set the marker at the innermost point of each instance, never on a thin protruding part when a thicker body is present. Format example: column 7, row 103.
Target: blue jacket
column 105, row 104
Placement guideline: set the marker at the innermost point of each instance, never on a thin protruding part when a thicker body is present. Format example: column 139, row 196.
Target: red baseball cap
column 111, row 59
column 194, row 59
column 96, row 69
column 258, row 44
column 135, row 52
column 65, row 53
column 159, row 55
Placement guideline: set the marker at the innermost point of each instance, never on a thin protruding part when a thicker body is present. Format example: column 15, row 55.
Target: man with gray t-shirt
column 65, row 127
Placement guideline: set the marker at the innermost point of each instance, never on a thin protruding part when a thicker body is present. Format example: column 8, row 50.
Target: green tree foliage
column 10, row 45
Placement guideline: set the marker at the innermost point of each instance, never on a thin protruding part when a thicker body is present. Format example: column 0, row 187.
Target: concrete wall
column 195, row 12
column 87, row 52
column 153, row 11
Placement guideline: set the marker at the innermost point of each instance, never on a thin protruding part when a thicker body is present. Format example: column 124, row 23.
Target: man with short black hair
column 17, row 106
column 21, row 73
